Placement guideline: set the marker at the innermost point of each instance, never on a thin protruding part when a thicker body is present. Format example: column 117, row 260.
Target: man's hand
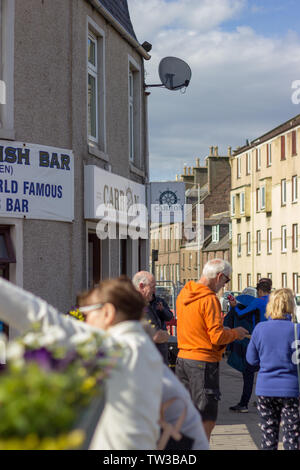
column 232, row 301
column 242, row 332
column 161, row 336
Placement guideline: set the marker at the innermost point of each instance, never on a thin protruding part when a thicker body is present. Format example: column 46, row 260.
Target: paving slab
column 235, row 431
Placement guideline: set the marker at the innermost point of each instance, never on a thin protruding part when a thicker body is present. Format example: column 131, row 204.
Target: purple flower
column 62, row 364
column 41, row 356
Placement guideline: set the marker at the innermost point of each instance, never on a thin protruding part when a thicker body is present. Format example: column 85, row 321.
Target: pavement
column 235, row 431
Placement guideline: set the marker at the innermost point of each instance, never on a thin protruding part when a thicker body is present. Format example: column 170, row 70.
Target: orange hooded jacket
column 200, row 332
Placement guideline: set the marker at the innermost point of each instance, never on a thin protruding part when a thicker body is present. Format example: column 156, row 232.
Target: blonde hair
column 281, row 303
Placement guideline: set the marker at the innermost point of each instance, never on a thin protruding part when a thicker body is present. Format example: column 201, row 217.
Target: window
column 215, row 233
column 269, row 275
column 248, row 167
column 95, row 87
column 263, row 197
column 94, row 260
column 258, row 277
column 92, row 88
column 258, row 159
column 282, row 142
column 295, row 237
column 269, row 240
column 294, row 143
column 238, row 166
column 248, row 280
column 239, row 282
column 283, row 192
column 242, row 203
column 269, row 154
column 230, row 231
column 294, row 188
column 295, row 283
column 283, row 239
column 258, row 242
column 283, row 280
column 257, row 199
column 134, row 112
column 233, row 205
column 239, row 244
column 248, row 243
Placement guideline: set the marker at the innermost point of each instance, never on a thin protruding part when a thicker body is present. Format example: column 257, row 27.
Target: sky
column 244, row 56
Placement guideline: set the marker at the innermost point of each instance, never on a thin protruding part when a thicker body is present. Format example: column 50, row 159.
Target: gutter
column 116, row 25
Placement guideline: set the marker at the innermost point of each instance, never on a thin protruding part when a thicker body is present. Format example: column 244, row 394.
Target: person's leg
column 269, row 409
column 203, row 385
column 290, row 421
column 208, row 428
column 248, row 381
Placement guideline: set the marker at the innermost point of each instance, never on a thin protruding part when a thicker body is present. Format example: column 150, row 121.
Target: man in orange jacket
column 202, row 338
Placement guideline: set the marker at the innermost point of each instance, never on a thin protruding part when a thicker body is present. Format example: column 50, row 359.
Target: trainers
column 239, row 408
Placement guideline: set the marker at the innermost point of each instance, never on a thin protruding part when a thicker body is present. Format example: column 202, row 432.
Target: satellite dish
column 174, row 73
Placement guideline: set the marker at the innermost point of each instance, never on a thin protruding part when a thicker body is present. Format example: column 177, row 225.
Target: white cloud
column 241, row 80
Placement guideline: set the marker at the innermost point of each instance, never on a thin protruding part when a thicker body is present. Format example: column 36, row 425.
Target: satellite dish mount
column 174, row 74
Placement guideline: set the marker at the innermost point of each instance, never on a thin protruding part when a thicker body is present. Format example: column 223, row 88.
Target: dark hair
column 264, row 284
column 119, row 292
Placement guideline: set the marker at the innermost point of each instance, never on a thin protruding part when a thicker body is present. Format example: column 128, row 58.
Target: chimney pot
column 216, row 152
column 211, row 151
column 198, row 162
column 229, row 151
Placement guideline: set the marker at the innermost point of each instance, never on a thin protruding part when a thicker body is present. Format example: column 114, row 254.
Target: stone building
column 73, row 135
column 181, row 260
column 265, row 208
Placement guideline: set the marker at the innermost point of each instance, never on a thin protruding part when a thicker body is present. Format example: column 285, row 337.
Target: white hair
column 216, row 266
column 142, row 277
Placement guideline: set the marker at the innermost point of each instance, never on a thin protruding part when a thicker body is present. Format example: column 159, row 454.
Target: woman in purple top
column 272, row 348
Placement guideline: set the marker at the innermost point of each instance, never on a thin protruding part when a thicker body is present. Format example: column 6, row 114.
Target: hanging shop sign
column 36, row 182
column 167, row 201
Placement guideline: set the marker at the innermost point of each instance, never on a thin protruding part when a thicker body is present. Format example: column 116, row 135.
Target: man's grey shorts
column 202, row 381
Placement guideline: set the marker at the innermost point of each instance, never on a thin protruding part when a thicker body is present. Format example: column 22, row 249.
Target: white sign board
column 105, row 189
column 36, row 182
column 167, row 201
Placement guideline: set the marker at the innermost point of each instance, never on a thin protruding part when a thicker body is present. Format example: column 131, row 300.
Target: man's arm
column 20, row 309
column 163, row 310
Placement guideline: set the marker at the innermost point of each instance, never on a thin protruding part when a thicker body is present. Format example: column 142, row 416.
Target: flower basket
column 52, row 398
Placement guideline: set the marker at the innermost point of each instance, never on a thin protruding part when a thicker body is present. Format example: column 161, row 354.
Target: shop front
column 116, row 224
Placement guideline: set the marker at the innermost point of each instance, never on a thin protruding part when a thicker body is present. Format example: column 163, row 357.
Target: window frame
column 97, row 143
column 134, row 113
column 283, row 239
column 258, row 242
column 283, row 192
column 294, row 188
column 269, row 241
column 239, row 244
column 248, row 237
column 269, row 154
column 295, row 237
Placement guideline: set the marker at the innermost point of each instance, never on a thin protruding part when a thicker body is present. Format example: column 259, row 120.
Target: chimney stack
column 211, row 151
column 229, row 151
column 184, row 171
column 198, row 162
column 216, row 151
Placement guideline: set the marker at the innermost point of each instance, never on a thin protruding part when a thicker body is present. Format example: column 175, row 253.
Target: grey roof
column 119, row 10
column 223, row 244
